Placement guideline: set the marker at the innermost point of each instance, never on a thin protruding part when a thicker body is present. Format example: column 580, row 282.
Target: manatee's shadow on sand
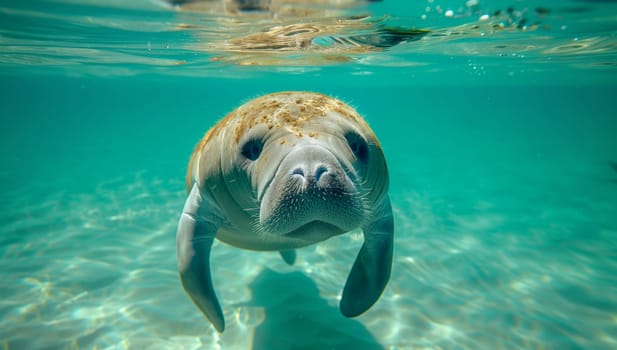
column 296, row 317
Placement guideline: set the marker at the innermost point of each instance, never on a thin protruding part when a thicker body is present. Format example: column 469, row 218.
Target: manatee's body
column 284, row 171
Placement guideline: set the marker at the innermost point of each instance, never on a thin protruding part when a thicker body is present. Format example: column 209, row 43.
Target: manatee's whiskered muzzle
column 311, row 196
column 307, row 207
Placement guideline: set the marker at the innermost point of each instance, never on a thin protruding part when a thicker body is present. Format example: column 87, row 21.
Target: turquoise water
column 500, row 140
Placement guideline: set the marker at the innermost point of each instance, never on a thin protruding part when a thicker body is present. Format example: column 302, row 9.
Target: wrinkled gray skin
column 285, row 171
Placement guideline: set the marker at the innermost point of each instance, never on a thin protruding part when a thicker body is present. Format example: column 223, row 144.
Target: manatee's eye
column 252, row 149
column 358, row 146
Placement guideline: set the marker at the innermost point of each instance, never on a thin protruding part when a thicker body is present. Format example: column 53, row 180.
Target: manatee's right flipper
column 371, row 270
column 289, row 256
column 193, row 242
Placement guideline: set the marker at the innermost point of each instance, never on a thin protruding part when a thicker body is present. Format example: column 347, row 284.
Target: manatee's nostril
column 320, row 171
column 310, row 173
column 298, row 171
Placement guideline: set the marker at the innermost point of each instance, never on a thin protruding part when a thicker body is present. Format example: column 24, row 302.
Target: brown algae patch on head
column 285, row 109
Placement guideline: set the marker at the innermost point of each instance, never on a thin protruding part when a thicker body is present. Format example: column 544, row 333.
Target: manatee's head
column 301, row 166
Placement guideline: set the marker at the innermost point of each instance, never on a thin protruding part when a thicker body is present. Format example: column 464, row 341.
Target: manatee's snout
column 315, row 170
column 311, row 194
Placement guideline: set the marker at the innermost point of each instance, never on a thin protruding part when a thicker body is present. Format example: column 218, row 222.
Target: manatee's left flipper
column 371, row 270
column 193, row 242
column 289, row 256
